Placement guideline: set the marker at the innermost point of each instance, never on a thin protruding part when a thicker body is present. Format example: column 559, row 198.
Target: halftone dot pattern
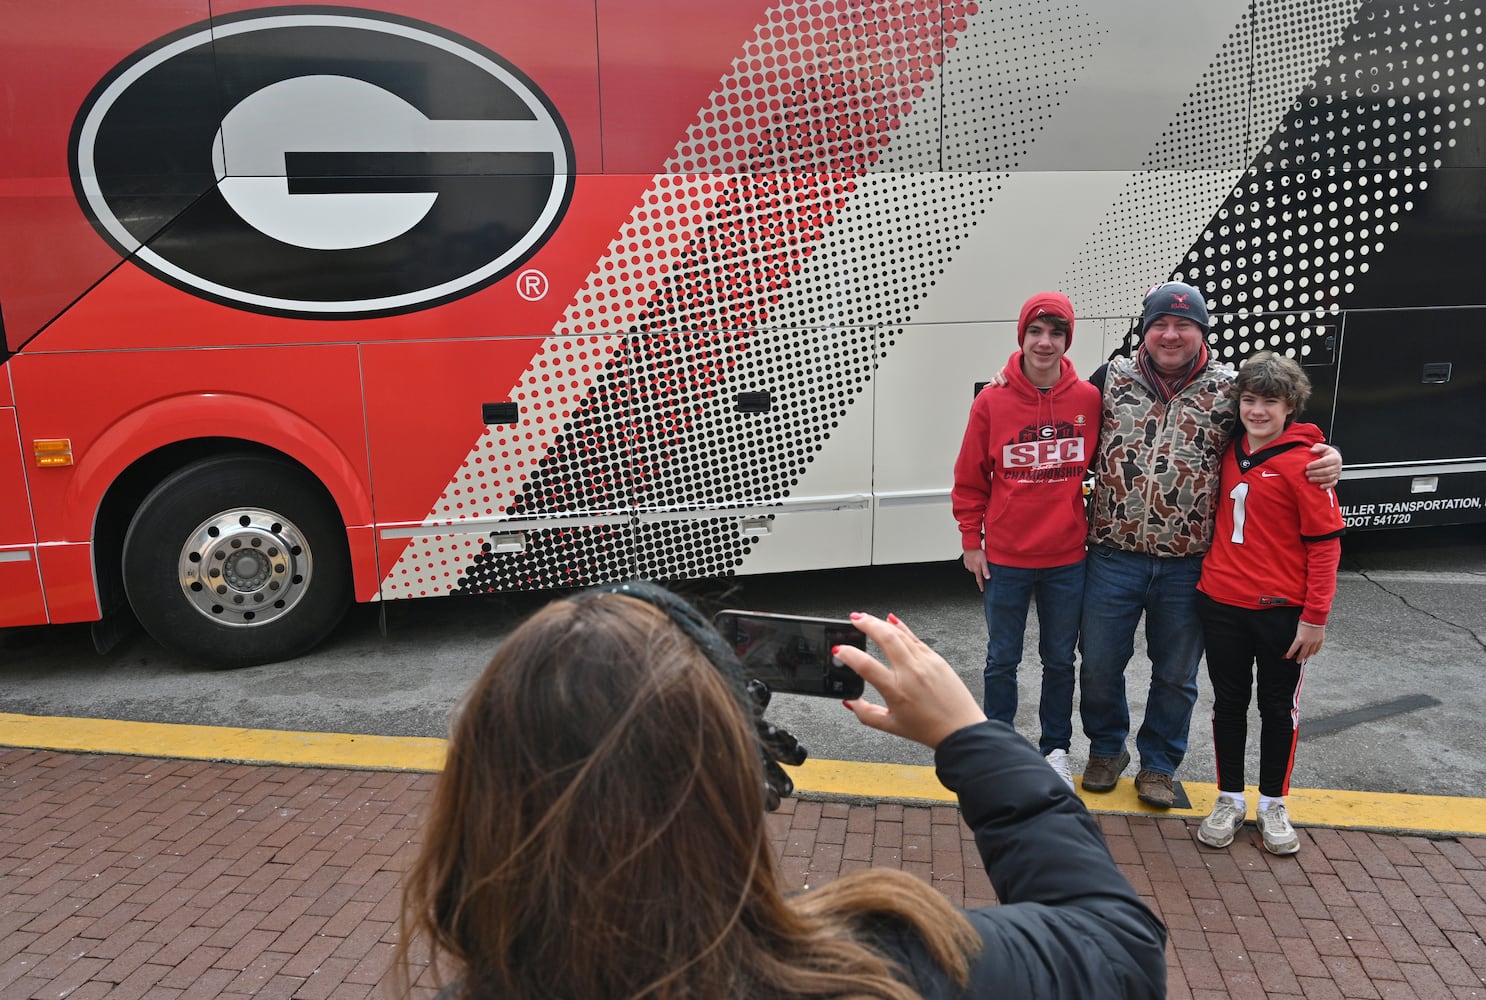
column 725, row 269
column 902, row 226
column 554, row 384
column 1007, row 78
column 1193, row 167
column 1349, row 162
column 703, row 264
column 836, row 79
column 686, row 548
column 571, row 556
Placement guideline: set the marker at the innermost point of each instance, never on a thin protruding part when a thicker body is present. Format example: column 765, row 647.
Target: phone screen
column 791, row 653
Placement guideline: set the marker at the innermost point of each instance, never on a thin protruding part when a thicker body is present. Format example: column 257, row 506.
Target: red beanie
column 1045, row 304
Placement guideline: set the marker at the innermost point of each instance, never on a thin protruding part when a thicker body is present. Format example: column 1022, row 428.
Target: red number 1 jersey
column 1276, row 538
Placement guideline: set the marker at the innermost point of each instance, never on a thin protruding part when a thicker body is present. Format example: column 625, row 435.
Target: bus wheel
column 238, row 560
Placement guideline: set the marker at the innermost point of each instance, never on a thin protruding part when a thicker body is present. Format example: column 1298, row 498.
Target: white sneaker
column 1059, row 761
column 1221, row 825
column 1279, row 835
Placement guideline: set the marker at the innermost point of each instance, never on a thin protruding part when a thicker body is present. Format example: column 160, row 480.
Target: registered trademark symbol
column 531, row 285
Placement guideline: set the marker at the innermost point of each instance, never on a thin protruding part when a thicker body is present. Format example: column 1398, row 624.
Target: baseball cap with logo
column 1175, row 299
column 1045, row 304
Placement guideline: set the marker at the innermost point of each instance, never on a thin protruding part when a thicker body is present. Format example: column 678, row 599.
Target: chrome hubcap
column 245, row 567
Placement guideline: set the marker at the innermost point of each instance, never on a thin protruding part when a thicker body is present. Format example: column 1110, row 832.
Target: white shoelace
column 1277, row 822
column 1059, row 761
column 1226, row 815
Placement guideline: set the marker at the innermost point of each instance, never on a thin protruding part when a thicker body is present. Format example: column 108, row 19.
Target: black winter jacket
column 1069, row 923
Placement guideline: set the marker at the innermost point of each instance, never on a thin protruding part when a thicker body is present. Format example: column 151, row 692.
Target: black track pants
column 1237, row 640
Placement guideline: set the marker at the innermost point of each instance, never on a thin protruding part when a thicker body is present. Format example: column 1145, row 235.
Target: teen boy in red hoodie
column 1265, row 594
column 1018, row 498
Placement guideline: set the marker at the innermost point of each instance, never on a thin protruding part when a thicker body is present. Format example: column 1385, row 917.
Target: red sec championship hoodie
column 1019, row 477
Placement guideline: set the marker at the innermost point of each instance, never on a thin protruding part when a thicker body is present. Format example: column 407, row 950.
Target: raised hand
column 925, row 699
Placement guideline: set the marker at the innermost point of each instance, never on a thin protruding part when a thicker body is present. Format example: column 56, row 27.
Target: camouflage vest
column 1156, row 473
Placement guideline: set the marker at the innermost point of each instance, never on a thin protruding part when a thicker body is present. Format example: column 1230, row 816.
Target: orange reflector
column 52, row 452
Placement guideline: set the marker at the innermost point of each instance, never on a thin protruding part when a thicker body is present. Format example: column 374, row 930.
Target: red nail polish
column 856, row 614
column 847, row 704
column 835, row 650
column 893, row 618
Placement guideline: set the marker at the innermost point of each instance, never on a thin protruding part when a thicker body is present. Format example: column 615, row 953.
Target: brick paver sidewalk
column 134, row 877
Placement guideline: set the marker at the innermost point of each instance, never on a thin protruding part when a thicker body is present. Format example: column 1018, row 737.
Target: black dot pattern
column 1387, row 90
column 759, row 290
column 1010, row 76
column 1349, row 164
column 812, row 208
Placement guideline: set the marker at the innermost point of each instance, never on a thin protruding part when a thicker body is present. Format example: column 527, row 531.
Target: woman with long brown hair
column 599, row 832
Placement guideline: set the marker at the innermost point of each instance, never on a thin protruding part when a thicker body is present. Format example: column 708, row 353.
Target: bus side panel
column 1411, row 417
column 20, row 583
column 803, row 465
column 919, row 433
column 134, row 306
column 495, row 425
column 68, row 580
column 659, row 62
column 116, row 407
column 51, row 56
column 20, row 588
column 1411, row 387
column 1391, row 502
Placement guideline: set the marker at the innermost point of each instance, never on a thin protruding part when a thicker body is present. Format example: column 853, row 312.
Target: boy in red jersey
column 1265, row 594
column 1018, row 498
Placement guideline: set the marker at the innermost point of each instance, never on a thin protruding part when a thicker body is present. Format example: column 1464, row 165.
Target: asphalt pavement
column 1395, row 703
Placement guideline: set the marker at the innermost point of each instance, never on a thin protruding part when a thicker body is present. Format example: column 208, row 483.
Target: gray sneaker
column 1221, row 825
column 1279, row 835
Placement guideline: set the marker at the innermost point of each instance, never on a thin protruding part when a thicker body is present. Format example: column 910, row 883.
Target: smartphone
column 792, row 653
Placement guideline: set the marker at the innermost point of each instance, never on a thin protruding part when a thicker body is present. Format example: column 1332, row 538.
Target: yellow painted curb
column 856, row 780
column 909, row 783
column 251, row 746
column 1385, row 811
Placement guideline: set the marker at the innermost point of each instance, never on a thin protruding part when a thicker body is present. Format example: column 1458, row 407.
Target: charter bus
column 312, row 304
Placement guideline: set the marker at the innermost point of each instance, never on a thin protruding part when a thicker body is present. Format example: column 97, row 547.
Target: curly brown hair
column 1265, row 373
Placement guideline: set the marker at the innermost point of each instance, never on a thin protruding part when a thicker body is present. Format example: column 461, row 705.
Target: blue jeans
column 1118, row 589
column 1059, row 591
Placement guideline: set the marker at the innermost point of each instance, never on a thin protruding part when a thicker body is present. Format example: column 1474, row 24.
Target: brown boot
column 1155, row 789
column 1103, row 773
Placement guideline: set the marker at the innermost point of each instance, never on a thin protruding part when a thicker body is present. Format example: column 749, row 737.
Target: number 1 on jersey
column 1237, row 495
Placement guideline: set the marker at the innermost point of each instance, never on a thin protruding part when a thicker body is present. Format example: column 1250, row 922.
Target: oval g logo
column 322, row 162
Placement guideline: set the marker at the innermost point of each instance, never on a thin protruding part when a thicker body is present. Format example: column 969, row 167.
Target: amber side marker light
column 52, row 452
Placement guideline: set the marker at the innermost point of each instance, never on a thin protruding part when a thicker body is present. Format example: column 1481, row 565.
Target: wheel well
column 128, row 491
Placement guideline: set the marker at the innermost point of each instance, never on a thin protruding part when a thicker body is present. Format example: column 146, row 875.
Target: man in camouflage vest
column 1167, row 415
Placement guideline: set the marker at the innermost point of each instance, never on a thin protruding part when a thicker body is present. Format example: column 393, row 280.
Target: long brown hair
column 598, row 831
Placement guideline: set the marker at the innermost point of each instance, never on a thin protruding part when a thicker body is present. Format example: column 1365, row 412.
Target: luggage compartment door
column 1408, row 417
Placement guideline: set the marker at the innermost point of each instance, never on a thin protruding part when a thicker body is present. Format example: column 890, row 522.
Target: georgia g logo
column 322, row 162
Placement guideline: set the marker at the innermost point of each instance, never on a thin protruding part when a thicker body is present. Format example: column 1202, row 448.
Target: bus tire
column 238, row 560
